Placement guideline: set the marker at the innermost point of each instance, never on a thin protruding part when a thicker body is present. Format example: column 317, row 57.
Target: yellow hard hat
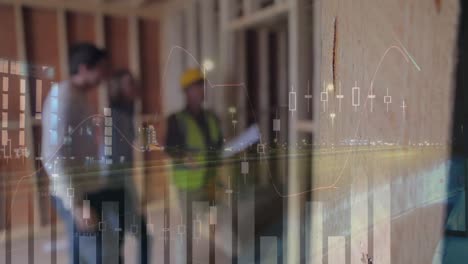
column 190, row 77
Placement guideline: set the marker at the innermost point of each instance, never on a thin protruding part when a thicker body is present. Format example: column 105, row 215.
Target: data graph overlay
column 359, row 206
column 268, row 250
column 377, row 154
column 373, row 207
column 314, row 232
column 110, row 227
column 382, row 225
column 88, row 243
column 246, row 224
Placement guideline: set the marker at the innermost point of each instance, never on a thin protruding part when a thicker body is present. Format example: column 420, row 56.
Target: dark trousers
column 110, row 221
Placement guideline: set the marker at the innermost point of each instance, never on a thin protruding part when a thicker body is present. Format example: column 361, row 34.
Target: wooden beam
column 100, row 30
column 231, row 51
column 208, row 30
column 135, row 67
column 264, row 96
column 101, row 42
column 134, row 46
column 248, row 7
column 316, row 54
column 293, row 245
column 282, row 91
column 262, row 16
column 191, row 33
column 29, row 120
column 209, row 43
column 172, row 35
column 63, row 45
column 152, row 10
column 20, row 35
column 240, row 50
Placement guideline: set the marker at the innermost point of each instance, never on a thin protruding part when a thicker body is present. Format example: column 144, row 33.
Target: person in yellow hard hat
column 194, row 140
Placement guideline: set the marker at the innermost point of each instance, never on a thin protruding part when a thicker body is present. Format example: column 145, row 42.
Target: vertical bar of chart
column 22, row 120
column 5, row 120
column 324, row 99
column 22, row 111
column 224, row 234
column 4, row 141
column 177, row 226
column 201, row 232
column 292, row 101
column 4, row 248
column 246, row 226
column 213, row 215
column 38, row 99
column 155, row 227
column 336, row 250
column 212, row 227
column 356, row 97
column 314, row 232
column 54, row 110
column 3, row 66
column 110, row 228
column 88, row 244
column 133, row 225
column 86, row 209
column 108, row 135
column 382, row 225
column 359, row 217
column 5, row 94
column 13, row 67
column 268, row 250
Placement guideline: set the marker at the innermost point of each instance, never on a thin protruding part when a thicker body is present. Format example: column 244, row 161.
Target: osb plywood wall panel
column 41, row 33
column 116, row 37
column 365, row 32
column 80, row 28
column 372, row 45
column 150, row 58
column 7, row 25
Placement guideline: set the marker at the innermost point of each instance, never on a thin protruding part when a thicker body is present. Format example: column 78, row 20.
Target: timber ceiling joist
column 140, row 8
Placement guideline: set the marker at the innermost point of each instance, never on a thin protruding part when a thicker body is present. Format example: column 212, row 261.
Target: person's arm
column 61, row 151
column 58, row 149
column 220, row 143
column 215, row 153
column 56, row 145
column 59, row 144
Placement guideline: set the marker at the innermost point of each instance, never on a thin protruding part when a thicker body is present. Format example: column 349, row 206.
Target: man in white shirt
column 72, row 148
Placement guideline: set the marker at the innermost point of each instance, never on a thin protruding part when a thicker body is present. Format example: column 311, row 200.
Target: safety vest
column 188, row 178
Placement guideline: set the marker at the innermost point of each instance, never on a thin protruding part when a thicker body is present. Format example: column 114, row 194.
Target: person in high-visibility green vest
column 194, row 137
column 194, row 140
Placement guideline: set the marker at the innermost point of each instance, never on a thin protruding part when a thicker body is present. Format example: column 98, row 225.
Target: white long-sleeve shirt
column 71, row 145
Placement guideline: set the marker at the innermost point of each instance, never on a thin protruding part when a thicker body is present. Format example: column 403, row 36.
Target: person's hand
column 154, row 147
column 85, row 225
